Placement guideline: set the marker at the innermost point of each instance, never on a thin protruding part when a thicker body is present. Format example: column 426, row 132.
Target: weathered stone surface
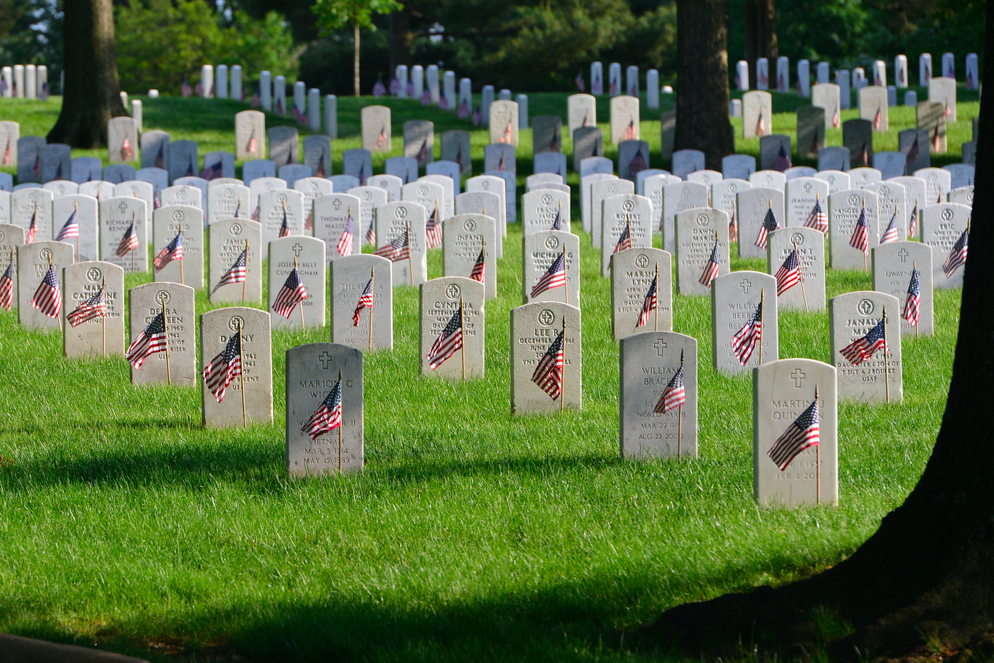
column 312, row 371
column 103, row 336
column 392, row 220
column 33, row 261
column 599, row 192
column 581, row 112
column 463, row 237
column 389, row 183
column 539, row 252
column 504, row 122
column 308, row 255
column 738, row 166
column 496, row 185
column 781, row 391
column 810, row 130
column 250, row 135
column 844, row 208
column 873, row 104
column 734, row 300
column 678, row 198
column 122, row 140
column 273, row 205
column 757, row 111
column 769, row 150
column 169, row 221
column 624, row 119
column 224, row 199
column 456, row 148
column 696, row 232
column 259, row 186
column 534, row 328
column 376, row 129
column 349, row 277
column 116, row 216
column 626, row 210
column 36, row 203
column 87, row 217
column 183, row 159
column 648, row 363
column 751, row 208
column 810, row 245
column 216, row 328
column 942, row 225
column 938, row 182
column 226, row 241
column 800, row 197
column 440, row 299
column 687, row 161
column 826, row 96
column 539, row 210
column 144, row 303
column 499, row 157
column 892, row 266
column 632, row 273
column 851, row 316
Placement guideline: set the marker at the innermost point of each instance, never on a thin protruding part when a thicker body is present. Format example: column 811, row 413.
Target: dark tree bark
column 930, row 565
column 92, row 93
column 760, row 34
column 702, row 121
column 400, row 39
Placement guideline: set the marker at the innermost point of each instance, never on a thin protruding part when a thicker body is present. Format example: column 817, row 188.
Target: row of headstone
column 24, row 82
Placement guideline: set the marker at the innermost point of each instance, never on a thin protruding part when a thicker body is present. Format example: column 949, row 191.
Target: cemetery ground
column 471, row 534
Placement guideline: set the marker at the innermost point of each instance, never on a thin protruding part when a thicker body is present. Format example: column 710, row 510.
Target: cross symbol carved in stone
column 123, row 207
column 903, row 254
column 660, row 345
column 745, row 285
column 798, row 377
column 325, row 359
column 297, row 248
column 337, row 204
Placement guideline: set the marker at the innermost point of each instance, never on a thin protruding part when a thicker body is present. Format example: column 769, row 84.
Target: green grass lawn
column 471, row 535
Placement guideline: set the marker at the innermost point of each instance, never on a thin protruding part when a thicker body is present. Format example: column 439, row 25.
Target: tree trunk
column 92, row 93
column 928, row 571
column 702, row 121
column 357, row 52
column 400, row 40
column 760, row 34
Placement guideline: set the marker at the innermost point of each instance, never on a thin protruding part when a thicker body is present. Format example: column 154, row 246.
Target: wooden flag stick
column 165, row 333
column 341, row 423
column 886, row 370
column 679, row 421
column 103, row 318
column 562, row 389
column 241, row 374
column 818, row 459
column 565, row 276
column 800, row 275
column 372, row 287
column 656, row 282
column 914, row 267
column 762, row 315
column 245, row 282
column 300, row 305
column 410, row 257
column 462, row 332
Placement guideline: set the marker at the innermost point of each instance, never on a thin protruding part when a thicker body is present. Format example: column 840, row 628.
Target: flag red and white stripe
column 345, row 241
column 866, row 346
column 745, row 339
column 226, row 366
column 7, row 287
column 92, row 308
column 328, row 416
column 548, row 374
column 447, row 343
column 789, row 273
column 48, row 296
column 291, row 294
column 365, row 301
column 912, row 305
column 860, row 238
column 674, row 395
column 129, row 242
column 554, row 277
column 151, row 340
column 802, row 434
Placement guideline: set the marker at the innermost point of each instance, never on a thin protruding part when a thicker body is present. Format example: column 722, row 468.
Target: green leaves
column 336, row 14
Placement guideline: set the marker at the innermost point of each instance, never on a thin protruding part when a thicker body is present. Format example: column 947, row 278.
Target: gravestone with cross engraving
column 439, row 300
column 539, row 252
column 751, row 209
column 844, row 210
column 226, row 241
column 250, row 135
column 757, row 114
column 735, row 300
column 312, row 373
column 376, row 129
column 393, row 221
column 808, row 295
column 101, row 336
column 599, row 192
column 85, row 209
column 540, row 208
column 799, row 200
column 419, row 143
column 942, row 226
column 632, row 274
column 464, row 237
column 349, row 278
column 850, row 317
column 892, row 267
column 697, row 230
column 535, row 328
column 649, row 361
column 33, row 261
column 167, row 223
column 283, row 145
column 116, row 217
column 144, row 303
column 307, row 254
column 782, row 391
column 253, row 389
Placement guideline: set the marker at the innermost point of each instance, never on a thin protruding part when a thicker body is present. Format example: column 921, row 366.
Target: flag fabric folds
column 433, row 229
column 399, row 248
column 48, row 296
column 291, row 294
column 172, row 251
column 365, row 301
column 860, row 238
column 345, row 241
column 745, row 339
column 783, row 161
column 237, row 273
column 554, row 277
column 151, row 340
column 710, row 272
column 447, row 342
column 865, row 347
column 890, row 235
column 802, row 434
column 817, row 219
column 328, row 416
column 70, row 229
column 649, row 303
column 912, row 305
column 92, row 308
column 625, row 240
column 789, row 273
column 769, row 224
column 7, row 287
column 957, row 255
column 674, row 395
column 548, row 374
column 226, row 366
column 129, row 242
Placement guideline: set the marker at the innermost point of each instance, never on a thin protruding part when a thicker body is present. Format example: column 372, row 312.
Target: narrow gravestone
column 892, row 271
column 145, row 302
column 227, row 240
column 587, row 142
column 352, row 306
column 167, row 224
column 873, row 107
column 751, row 212
column 313, row 374
column 539, row 254
column 853, row 316
column 735, row 300
column 119, row 217
column 376, row 130
column 781, row 392
column 465, row 237
column 306, row 255
column 632, row 275
column 757, row 114
column 626, row 214
column 33, row 264
column 98, row 336
column 649, row 364
column 250, row 135
column 283, row 146
column 535, row 329
column 942, row 226
column 122, row 140
column 540, row 209
column 419, row 143
column 624, row 119
column 810, row 131
column 808, row 294
column 844, row 210
column 697, row 231
column 504, row 122
column 857, row 137
column 11, row 237
column 394, row 223
column 249, row 396
column 441, row 300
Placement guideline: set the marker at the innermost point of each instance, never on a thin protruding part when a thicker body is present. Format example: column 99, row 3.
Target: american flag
column 595, row 85
column 199, row 89
column 548, row 374
column 733, row 227
column 637, row 164
column 949, row 111
column 817, row 219
column 864, row 154
column 156, row 199
column 890, row 235
column 127, row 152
column 477, row 116
column 426, row 97
column 7, row 155
column 371, row 232
column 464, row 110
column 479, row 268
column 674, row 395
column 434, row 228
column 865, row 347
column 291, row 294
column 969, row 80
column 789, row 273
column 320, row 169
column 554, row 277
column 410, row 89
column 398, row 249
column 382, row 139
column 443, row 101
column 912, row 305
column 762, row 79
column 48, row 296
column 213, row 172
column 92, row 308
column 237, row 273
column 557, row 223
column 394, row 87
column 815, row 146
column 32, row 227
column 633, row 91
column 36, row 169
column 7, row 287
column 70, row 229
column 957, row 255
column 345, row 241
column 365, row 301
column 710, row 272
column 861, row 234
column 328, row 416
column 422, row 151
column 878, row 118
column 284, row 225
column 760, row 126
column 936, row 141
column 800, row 435
column 744, row 340
column 150, row 341
column 625, row 240
column 299, row 115
column 912, row 159
column 185, row 89
column 172, row 251
column 649, row 303
column 586, row 118
column 631, row 131
column 783, row 160
column 447, row 342
column 190, row 168
column 508, row 136
column 614, row 87
column 256, row 101
column 554, row 141
column 913, row 223
column 222, row 369
column 769, row 224
column 580, row 84
column 836, row 118
column 500, row 164
column 129, row 242
column 379, row 89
